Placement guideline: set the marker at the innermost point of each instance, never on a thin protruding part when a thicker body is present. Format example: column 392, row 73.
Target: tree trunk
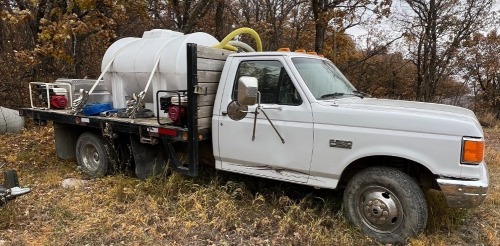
column 318, row 8
column 219, row 19
column 320, row 38
column 2, row 37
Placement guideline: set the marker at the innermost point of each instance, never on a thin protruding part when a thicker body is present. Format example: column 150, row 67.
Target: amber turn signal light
column 472, row 151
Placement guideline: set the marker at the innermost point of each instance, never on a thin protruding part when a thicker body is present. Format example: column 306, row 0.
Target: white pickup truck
column 286, row 116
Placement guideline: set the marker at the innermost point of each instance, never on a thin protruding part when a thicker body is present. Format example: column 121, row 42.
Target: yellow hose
column 226, row 47
column 224, row 43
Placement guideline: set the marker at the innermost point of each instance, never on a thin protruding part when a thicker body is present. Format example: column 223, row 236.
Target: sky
column 359, row 32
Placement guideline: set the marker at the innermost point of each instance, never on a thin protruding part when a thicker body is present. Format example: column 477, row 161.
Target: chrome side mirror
column 247, row 90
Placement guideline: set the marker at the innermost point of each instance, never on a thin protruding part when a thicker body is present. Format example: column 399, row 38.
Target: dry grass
column 488, row 119
column 216, row 208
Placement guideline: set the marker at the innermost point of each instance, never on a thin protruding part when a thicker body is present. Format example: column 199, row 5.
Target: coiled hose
column 229, row 44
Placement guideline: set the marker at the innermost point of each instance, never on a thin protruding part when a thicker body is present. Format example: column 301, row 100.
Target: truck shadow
column 297, row 193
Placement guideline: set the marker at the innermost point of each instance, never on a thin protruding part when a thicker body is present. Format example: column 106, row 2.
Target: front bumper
column 461, row 193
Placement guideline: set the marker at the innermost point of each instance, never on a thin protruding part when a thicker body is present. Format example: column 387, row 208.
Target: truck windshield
column 323, row 79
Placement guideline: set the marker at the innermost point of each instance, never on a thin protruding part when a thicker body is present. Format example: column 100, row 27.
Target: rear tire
column 92, row 155
column 386, row 204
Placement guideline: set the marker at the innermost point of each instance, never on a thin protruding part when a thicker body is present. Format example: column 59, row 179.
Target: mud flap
column 65, row 138
column 150, row 160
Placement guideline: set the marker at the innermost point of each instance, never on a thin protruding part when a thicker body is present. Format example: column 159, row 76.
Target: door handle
column 224, row 113
column 272, row 107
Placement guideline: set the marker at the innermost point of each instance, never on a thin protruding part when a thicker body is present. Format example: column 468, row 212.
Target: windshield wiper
column 335, row 94
column 361, row 94
column 339, row 94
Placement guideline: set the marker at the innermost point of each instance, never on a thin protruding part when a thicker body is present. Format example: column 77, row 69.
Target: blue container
column 96, row 108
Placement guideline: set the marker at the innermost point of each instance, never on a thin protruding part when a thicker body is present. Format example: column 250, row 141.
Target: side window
column 288, row 93
column 275, row 85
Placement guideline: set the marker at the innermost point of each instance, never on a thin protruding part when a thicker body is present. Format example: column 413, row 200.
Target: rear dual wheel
column 92, row 154
column 386, row 204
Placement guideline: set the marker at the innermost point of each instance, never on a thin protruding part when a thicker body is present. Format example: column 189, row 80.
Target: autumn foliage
column 441, row 50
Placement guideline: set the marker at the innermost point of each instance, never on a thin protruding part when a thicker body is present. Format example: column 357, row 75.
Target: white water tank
column 136, row 57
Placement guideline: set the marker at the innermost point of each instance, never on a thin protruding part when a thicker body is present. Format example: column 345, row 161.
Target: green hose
column 224, row 43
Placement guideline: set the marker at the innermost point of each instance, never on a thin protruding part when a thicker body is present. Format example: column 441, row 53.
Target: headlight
column 472, row 150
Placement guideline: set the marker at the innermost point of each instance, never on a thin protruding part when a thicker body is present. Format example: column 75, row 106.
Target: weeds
column 441, row 217
column 217, row 208
column 7, row 216
column 488, row 119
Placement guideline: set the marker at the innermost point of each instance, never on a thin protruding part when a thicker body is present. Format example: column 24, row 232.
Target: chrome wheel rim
column 90, row 157
column 379, row 209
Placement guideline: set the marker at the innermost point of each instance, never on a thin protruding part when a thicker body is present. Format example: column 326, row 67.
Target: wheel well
column 118, row 149
column 424, row 177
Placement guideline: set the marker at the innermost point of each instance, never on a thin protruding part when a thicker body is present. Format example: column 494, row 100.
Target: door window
column 275, row 85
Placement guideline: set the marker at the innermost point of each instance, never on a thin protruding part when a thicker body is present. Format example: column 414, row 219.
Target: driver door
column 287, row 108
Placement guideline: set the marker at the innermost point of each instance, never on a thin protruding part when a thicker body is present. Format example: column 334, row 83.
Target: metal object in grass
column 10, row 188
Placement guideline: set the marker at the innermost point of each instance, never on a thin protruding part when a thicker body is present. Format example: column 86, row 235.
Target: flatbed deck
column 139, row 126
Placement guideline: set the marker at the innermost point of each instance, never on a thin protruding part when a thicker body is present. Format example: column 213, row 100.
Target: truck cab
column 309, row 125
column 288, row 109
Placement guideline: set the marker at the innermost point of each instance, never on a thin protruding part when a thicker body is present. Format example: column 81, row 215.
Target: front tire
column 91, row 155
column 386, row 204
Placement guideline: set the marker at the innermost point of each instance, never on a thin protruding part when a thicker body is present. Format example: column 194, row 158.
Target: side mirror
column 247, row 90
column 236, row 111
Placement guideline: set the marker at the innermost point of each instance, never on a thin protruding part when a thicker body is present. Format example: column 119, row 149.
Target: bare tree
column 343, row 14
column 277, row 15
column 480, row 59
column 434, row 30
column 187, row 13
column 273, row 19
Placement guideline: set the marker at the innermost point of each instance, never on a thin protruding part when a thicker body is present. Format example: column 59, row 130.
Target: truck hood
column 399, row 115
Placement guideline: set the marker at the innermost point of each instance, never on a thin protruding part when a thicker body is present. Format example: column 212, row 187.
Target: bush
column 488, row 119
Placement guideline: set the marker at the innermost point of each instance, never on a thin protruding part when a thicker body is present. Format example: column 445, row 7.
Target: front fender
column 439, row 153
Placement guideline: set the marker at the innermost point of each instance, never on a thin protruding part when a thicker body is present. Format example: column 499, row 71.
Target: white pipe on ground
column 10, row 121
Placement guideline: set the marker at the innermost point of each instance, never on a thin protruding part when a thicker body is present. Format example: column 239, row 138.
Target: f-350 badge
column 340, row 144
